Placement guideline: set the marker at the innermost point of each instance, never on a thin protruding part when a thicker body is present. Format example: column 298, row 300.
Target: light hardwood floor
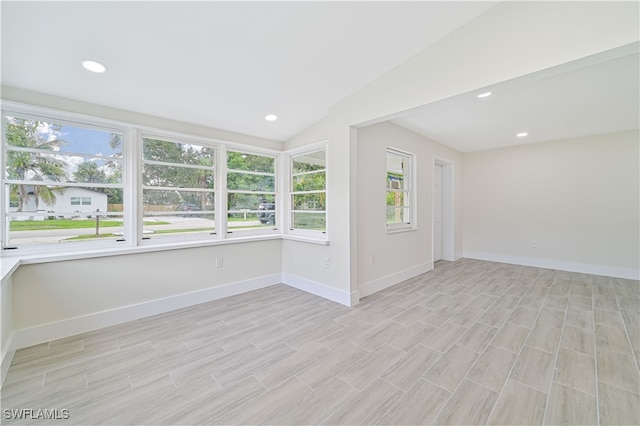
column 471, row 342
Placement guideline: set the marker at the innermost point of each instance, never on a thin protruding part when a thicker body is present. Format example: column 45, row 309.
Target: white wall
column 6, row 324
column 511, row 40
column 302, row 262
column 64, row 298
column 397, row 256
column 578, row 199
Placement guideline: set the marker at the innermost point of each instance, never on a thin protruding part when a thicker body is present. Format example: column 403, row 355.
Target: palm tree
column 29, row 165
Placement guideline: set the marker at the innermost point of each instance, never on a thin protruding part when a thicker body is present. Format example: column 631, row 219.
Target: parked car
column 188, row 207
column 268, row 213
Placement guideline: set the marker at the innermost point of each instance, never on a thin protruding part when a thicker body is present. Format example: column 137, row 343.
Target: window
column 308, row 191
column 80, row 201
column 70, row 178
column 251, row 191
column 399, row 189
column 63, row 182
column 178, row 189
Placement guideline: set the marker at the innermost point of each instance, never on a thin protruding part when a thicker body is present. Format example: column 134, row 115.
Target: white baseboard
column 56, row 330
column 561, row 265
column 7, row 357
column 322, row 290
column 387, row 281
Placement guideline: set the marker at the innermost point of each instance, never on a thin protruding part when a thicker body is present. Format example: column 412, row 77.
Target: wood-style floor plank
column 470, row 342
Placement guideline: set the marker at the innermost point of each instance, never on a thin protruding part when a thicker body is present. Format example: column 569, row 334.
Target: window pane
column 41, row 156
column 246, row 182
column 309, row 182
column 51, row 152
column 313, row 201
column 238, row 202
column 308, row 187
column 44, row 214
column 396, row 198
column 175, row 176
column 398, row 215
column 398, row 194
column 187, row 210
column 179, row 202
column 174, row 152
column 61, row 168
column 309, row 162
column 250, row 162
column 250, row 211
column 47, row 228
column 171, row 213
column 312, row 221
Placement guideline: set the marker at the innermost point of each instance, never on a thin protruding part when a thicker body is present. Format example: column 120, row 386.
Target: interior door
column 437, row 213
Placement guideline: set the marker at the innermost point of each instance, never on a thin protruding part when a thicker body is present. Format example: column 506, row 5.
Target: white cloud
column 49, row 134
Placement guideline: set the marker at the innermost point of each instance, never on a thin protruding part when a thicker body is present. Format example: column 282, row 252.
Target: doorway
column 437, row 212
column 443, row 214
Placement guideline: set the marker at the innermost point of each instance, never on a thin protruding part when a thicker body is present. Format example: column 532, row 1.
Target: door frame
column 448, row 230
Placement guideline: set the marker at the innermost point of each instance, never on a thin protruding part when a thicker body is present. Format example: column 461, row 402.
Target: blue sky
column 85, row 141
column 80, row 141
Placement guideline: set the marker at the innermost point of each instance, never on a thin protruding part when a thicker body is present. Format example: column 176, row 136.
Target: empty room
column 357, row 213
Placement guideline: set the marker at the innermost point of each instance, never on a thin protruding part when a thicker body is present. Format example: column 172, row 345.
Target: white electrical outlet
column 326, row 263
column 534, row 243
column 372, row 259
column 219, row 262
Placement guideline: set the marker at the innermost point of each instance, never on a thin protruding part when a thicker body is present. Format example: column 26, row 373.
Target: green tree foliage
column 238, row 164
column 162, row 175
column 90, row 172
column 36, row 166
column 309, row 177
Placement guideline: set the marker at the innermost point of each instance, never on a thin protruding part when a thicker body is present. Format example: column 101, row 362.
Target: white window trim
column 393, row 228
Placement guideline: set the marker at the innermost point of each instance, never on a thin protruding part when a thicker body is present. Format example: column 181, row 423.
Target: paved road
column 25, row 238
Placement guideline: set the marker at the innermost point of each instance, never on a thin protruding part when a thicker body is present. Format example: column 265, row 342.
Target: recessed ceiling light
column 271, row 117
column 484, row 95
column 93, row 66
column 522, row 134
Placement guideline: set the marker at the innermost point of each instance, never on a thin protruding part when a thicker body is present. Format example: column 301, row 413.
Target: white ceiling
column 593, row 95
column 220, row 64
column 228, row 64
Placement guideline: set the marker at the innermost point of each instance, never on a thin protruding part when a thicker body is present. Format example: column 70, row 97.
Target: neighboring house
column 68, row 204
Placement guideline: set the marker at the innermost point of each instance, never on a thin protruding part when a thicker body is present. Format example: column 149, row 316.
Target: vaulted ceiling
column 227, row 65
column 221, row 64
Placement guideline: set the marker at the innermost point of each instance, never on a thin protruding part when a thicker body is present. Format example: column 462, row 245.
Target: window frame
column 230, row 232
column 131, row 241
column 409, row 199
column 79, row 121
column 140, row 187
column 290, row 155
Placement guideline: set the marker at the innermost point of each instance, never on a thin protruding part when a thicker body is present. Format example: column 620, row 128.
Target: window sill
column 400, row 230
column 7, row 267
column 45, row 257
column 303, row 239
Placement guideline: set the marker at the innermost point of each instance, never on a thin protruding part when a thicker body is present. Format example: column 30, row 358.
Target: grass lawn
column 164, row 231
column 39, row 225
